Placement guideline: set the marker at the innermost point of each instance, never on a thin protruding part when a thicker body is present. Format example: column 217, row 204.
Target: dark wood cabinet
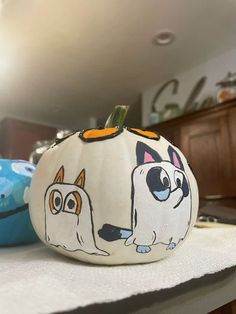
column 18, row 137
column 206, row 144
column 208, row 140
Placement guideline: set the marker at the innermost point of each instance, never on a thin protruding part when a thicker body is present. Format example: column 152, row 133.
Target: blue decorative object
column 15, row 224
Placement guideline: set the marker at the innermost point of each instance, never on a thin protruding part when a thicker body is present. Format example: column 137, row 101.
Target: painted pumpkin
column 15, row 225
column 114, row 196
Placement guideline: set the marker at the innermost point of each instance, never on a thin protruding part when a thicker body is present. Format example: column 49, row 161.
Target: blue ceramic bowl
column 15, row 224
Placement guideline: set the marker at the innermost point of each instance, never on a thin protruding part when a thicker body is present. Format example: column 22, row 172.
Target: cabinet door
column 232, row 138
column 206, row 144
column 18, row 137
column 169, row 131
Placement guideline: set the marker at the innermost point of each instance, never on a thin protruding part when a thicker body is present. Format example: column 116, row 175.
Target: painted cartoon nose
column 6, row 188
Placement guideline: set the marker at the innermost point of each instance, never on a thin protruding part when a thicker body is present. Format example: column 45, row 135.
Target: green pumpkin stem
column 117, row 117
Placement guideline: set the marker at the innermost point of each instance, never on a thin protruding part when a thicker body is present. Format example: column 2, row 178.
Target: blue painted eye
column 158, row 183
column 23, row 168
column 162, row 195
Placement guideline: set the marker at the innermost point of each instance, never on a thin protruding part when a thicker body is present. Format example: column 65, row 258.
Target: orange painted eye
column 55, row 202
column 148, row 134
column 94, row 135
column 73, row 203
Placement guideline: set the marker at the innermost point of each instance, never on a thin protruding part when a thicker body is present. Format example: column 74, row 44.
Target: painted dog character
column 68, row 215
column 161, row 202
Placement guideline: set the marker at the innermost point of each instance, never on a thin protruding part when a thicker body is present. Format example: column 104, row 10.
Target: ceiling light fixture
column 164, row 37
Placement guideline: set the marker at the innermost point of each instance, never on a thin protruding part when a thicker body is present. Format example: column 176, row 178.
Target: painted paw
column 171, row 246
column 143, row 249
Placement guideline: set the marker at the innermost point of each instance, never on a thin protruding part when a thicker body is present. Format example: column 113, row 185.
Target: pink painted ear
column 148, row 157
column 146, row 154
column 175, row 158
column 176, row 161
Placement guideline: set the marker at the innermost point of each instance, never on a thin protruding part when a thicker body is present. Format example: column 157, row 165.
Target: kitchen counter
column 200, row 276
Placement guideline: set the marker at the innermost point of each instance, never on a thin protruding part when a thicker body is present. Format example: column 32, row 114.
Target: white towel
column 35, row 279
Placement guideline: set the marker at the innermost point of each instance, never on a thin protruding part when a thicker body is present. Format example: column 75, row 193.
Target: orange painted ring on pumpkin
column 93, row 135
column 148, row 134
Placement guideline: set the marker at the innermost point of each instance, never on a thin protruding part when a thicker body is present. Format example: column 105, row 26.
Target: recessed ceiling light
column 164, row 37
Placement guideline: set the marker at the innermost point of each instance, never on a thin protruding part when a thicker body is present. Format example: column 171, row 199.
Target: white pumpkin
column 113, row 196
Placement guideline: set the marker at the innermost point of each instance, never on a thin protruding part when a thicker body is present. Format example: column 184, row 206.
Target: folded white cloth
column 35, row 279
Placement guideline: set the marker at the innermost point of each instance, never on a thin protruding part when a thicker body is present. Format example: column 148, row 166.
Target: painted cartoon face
column 161, row 200
column 164, row 180
column 68, row 219
column 15, row 225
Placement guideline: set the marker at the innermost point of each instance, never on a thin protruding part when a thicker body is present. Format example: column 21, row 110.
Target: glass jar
column 41, row 146
column 155, row 117
column 38, row 149
column 171, row 111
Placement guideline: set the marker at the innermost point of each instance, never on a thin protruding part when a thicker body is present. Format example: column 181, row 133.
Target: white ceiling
column 62, row 61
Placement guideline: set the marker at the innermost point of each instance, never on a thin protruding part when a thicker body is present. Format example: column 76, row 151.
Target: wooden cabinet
column 17, row 137
column 208, row 140
column 206, row 144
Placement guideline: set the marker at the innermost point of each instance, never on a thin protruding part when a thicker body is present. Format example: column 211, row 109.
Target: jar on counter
column 39, row 148
column 226, row 88
column 155, row 117
column 171, row 111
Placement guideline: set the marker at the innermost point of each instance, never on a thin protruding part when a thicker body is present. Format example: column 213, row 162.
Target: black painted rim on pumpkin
column 152, row 135
column 60, row 140
column 110, row 133
column 113, row 132
column 89, row 135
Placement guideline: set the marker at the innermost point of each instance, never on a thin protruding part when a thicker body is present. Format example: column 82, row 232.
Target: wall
column 81, row 124
column 133, row 118
column 215, row 70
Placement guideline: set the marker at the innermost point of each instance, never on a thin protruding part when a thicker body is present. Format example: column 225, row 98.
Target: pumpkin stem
column 117, row 117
